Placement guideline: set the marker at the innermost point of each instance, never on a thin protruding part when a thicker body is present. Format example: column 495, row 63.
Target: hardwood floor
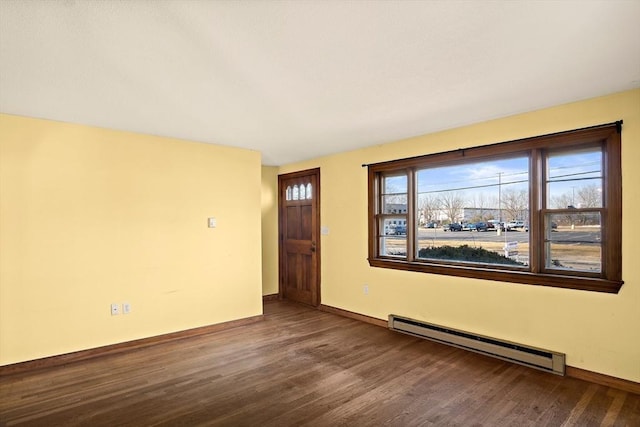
column 302, row 366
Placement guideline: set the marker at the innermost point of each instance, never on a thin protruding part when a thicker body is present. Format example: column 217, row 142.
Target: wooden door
column 299, row 229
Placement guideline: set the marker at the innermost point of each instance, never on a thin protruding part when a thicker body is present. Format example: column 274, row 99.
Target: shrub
column 466, row 253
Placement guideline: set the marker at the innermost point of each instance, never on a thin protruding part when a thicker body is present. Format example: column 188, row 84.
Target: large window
column 544, row 211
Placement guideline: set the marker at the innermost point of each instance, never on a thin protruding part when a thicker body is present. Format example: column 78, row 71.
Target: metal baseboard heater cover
column 545, row 360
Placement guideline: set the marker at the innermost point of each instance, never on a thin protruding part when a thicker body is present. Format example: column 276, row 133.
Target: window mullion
column 375, row 194
column 412, row 227
column 537, row 195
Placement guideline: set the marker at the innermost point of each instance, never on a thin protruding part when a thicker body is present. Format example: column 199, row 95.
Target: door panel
column 292, row 222
column 299, row 229
column 306, row 228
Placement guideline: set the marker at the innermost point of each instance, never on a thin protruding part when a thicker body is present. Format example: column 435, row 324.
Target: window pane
column 309, row 191
column 394, row 204
column 394, row 226
column 393, row 236
column 395, row 184
column 475, row 198
column 393, row 246
column 289, row 196
column 296, row 192
column 394, row 196
column 303, row 192
column 574, row 179
column 573, row 241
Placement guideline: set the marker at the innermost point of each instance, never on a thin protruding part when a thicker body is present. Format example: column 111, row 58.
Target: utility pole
column 500, row 197
column 499, row 230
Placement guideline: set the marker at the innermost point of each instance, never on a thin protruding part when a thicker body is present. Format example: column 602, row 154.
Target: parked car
column 454, row 226
column 514, row 225
column 401, row 229
column 495, row 224
column 432, row 225
column 395, row 229
column 478, row 226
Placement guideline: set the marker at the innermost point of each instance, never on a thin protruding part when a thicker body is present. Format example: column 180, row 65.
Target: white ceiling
column 301, row 79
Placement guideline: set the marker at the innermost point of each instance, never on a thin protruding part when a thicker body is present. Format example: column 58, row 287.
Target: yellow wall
column 598, row 332
column 269, row 230
column 90, row 217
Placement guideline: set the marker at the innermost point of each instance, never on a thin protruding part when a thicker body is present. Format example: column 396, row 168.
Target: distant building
column 466, row 215
column 399, row 208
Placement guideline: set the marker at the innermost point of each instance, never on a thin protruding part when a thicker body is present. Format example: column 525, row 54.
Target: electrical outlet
column 115, row 309
column 126, row 308
column 365, row 289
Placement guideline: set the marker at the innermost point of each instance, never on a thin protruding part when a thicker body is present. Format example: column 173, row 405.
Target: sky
column 487, row 180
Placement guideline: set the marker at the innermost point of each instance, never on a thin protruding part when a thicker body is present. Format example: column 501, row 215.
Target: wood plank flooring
column 301, row 366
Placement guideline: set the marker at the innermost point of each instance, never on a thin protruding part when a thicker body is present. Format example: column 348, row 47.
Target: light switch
column 324, row 231
column 212, row 223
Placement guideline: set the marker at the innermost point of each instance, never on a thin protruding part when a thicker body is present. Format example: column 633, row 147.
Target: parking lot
column 564, row 234
column 577, row 248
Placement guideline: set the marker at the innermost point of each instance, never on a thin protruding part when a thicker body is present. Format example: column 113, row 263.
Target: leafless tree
column 515, row 203
column 561, row 201
column 481, row 202
column 395, row 199
column 429, row 206
column 492, row 203
column 452, row 204
column 590, row 196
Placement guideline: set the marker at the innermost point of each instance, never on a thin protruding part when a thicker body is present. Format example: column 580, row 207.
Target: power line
column 474, row 187
column 553, row 179
column 503, row 174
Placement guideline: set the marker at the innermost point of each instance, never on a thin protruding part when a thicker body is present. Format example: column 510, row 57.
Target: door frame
column 281, row 228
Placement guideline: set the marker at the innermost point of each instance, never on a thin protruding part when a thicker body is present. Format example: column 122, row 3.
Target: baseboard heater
column 533, row 357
